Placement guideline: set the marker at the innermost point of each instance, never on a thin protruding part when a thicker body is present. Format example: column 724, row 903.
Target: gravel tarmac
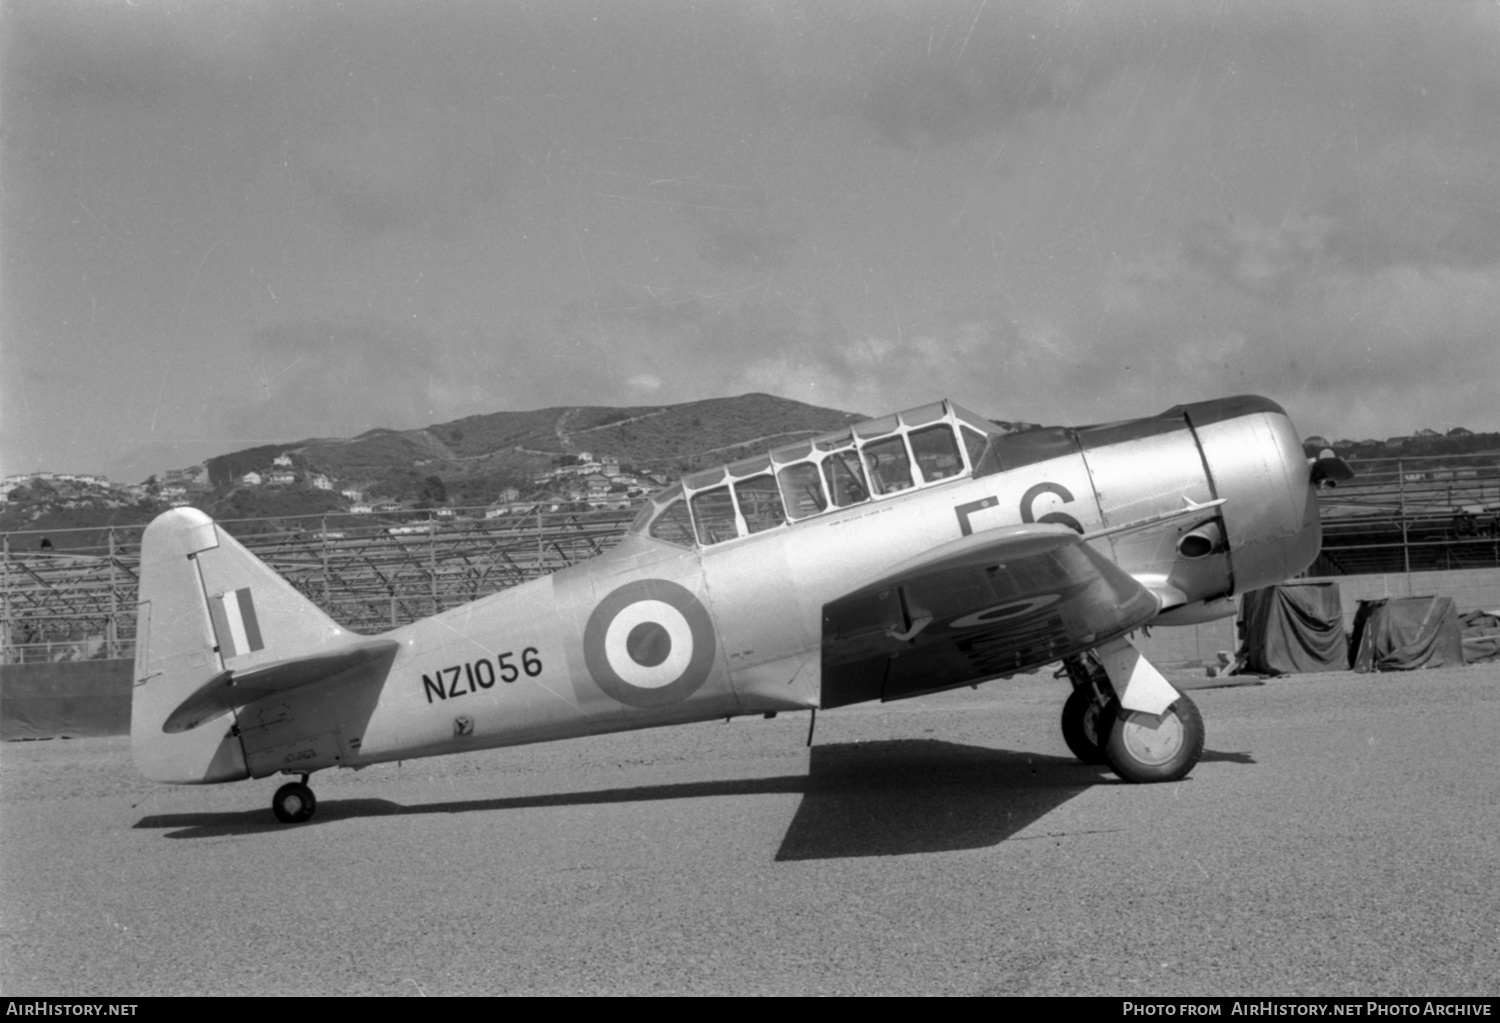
column 1341, row 836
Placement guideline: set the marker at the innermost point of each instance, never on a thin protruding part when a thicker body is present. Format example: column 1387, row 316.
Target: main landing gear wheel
column 1086, row 720
column 294, row 803
column 1147, row 748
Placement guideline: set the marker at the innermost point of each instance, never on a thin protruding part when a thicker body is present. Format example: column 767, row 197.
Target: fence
column 76, row 600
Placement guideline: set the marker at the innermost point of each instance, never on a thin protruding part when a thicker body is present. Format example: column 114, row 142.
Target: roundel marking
column 649, row 643
column 1005, row 612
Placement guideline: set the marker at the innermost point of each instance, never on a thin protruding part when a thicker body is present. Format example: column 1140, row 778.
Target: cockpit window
column 760, row 503
column 674, row 525
column 846, row 478
column 873, row 459
column 713, row 512
column 936, row 453
column 802, row 489
column 890, row 468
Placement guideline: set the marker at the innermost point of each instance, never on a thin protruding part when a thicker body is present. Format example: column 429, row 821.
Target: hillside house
column 321, row 482
column 251, row 479
column 193, row 474
column 281, row 478
column 353, row 494
column 283, row 460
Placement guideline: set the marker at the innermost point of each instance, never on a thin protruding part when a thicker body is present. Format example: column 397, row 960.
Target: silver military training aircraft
column 906, row 555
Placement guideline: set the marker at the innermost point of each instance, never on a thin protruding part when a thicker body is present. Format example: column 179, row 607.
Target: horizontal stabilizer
column 230, row 689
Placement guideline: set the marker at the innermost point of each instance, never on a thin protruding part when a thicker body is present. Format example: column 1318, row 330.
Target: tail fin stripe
column 247, row 617
column 222, row 631
column 235, row 623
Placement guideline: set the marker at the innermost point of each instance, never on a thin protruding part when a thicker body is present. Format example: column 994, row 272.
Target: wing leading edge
column 990, row 604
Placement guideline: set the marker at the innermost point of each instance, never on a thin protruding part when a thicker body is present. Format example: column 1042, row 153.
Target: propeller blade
column 1328, row 468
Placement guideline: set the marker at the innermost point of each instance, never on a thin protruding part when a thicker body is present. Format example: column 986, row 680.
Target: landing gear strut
column 1090, row 709
column 294, row 802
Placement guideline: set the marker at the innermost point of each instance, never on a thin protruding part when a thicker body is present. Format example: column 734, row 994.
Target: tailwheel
column 1149, row 747
column 294, row 803
column 1086, row 720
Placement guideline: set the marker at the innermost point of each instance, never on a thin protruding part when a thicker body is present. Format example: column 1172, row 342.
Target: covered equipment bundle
column 1403, row 633
column 1292, row 629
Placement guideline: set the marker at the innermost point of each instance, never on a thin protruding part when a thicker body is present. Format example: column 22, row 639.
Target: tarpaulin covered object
column 65, row 698
column 1481, row 632
column 1402, row 633
column 1292, row 629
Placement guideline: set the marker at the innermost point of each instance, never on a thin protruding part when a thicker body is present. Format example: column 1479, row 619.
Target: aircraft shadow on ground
column 903, row 796
column 886, row 798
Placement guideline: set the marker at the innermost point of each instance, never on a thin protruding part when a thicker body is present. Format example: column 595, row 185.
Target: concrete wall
column 1471, row 589
column 65, row 698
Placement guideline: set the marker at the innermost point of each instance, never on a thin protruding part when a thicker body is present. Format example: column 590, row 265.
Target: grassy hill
column 508, row 448
column 468, row 461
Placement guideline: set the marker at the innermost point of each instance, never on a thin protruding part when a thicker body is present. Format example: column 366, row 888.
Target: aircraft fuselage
column 655, row 633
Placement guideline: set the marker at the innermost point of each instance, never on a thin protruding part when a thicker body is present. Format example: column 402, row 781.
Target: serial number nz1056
column 473, row 676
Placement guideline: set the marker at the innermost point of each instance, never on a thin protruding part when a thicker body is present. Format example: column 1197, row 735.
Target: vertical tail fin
column 208, row 606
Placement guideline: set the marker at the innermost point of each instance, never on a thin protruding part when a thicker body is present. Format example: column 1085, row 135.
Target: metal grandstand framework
column 77, row 600
column 1438, row 513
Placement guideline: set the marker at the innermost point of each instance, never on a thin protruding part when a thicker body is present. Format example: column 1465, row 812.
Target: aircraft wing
column 230, row 689
column 989, row 604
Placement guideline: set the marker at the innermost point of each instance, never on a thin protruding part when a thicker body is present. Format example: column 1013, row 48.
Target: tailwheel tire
column 294, row 803
column 1085, row 725
column 1147, row 748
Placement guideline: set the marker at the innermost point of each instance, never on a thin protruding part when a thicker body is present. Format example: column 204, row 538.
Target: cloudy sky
column 229, row 223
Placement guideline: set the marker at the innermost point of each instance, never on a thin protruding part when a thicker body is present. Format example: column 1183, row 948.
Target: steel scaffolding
column 1438, row 513
column 77, row 599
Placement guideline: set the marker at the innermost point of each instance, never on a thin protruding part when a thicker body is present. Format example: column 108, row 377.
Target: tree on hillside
column 432, row 492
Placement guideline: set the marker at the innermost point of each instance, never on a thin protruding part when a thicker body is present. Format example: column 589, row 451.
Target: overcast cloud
column 228, row 223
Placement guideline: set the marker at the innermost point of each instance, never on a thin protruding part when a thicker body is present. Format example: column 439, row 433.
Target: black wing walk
column 991, row 604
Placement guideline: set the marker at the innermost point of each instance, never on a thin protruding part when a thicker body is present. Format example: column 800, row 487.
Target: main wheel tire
column 1147, row 748
column 1085, row 726
column 294, row 803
